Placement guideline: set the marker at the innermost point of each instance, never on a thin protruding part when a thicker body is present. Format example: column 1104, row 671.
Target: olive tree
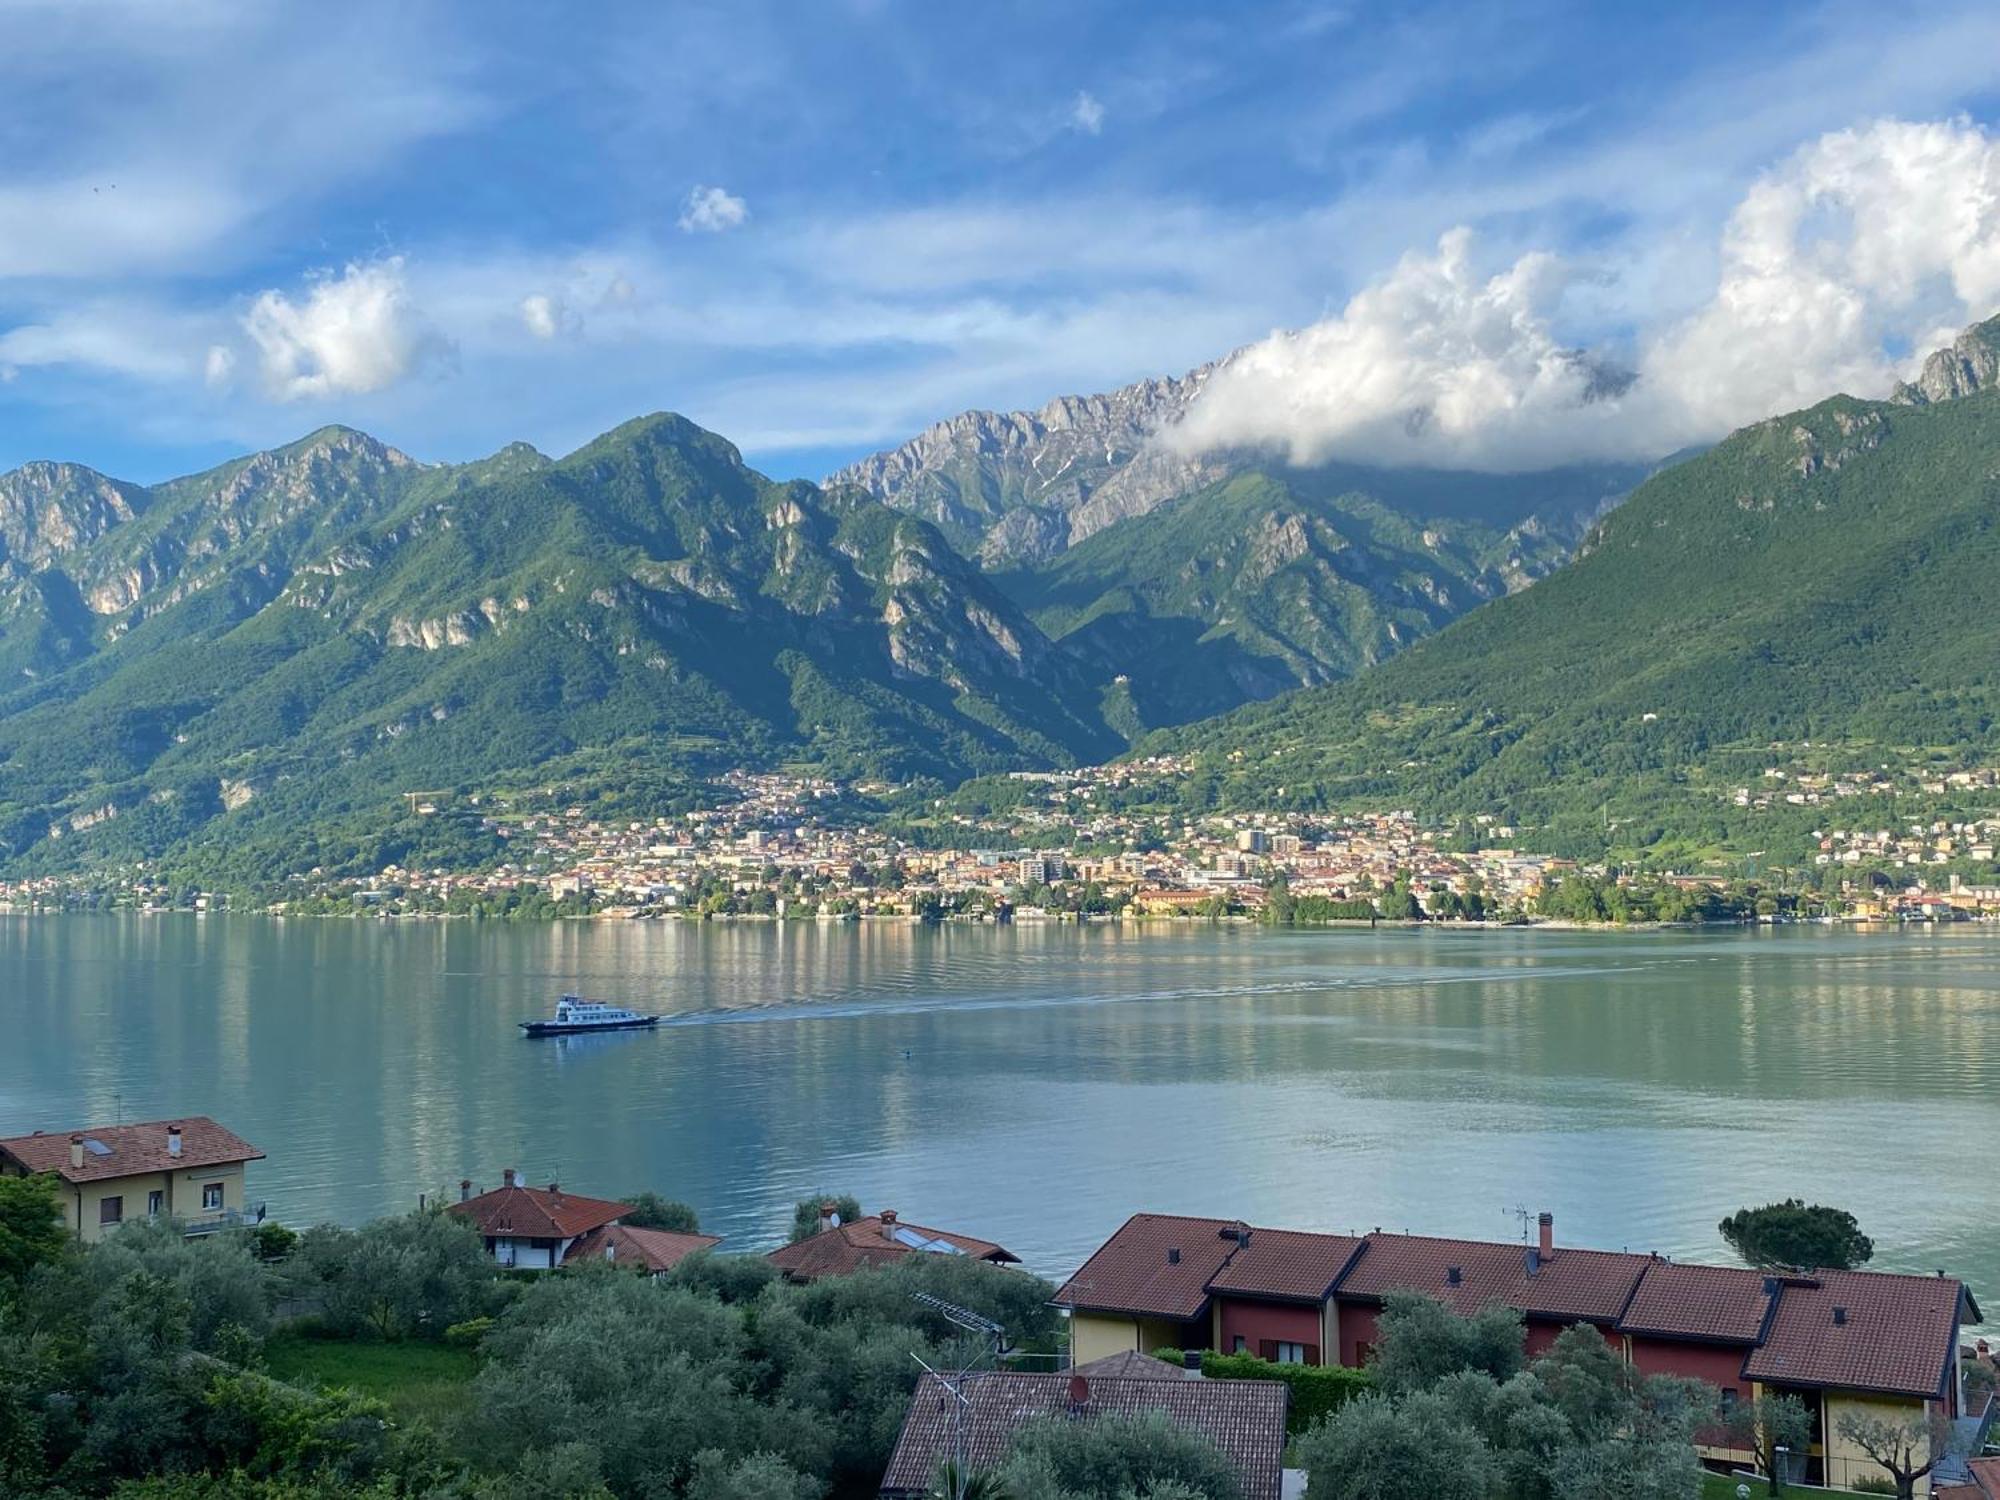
column 1907, row 1448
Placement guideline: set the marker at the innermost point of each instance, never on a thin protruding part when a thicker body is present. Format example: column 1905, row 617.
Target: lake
column 1037, row 1084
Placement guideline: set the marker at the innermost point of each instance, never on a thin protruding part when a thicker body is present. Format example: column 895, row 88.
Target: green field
column 418, row 1380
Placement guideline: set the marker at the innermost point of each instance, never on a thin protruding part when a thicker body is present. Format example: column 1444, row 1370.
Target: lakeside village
column 1276, row 1358
column 791, row 846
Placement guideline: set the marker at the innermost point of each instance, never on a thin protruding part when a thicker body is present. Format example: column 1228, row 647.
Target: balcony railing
column 226, row 1218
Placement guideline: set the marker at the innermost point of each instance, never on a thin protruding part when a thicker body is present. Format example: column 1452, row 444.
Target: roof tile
column 131, row 1149
column 1243, row 1418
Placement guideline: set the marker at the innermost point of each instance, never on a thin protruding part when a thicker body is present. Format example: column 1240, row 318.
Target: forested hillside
column 1818, row 577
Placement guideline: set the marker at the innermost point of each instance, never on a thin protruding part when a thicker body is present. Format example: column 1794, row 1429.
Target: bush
column 412, row 1276
column 1318, row 1391
column 1113, row 1456
column 651, row 1211
column 469, row 1334
column 272, row 1241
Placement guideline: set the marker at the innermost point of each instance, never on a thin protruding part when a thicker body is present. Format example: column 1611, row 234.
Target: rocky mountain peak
column 1971, row 363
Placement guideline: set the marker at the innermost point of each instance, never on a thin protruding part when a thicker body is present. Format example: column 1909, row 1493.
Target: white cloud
column 712, row 210
column 219, row 365
column 1863, row 248
column 1087, row 114
column 348, row 334
column 1839, row 268
column 544, row 316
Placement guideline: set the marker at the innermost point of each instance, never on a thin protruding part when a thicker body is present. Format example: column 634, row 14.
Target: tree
column 1793, row 1234
column 1907, row 1449
column 1379, row 1448
column 651, row 1211
column 410, row 1276
column 1420, row 1341
column 1112, row 1456
column 807, row 1213
column 1768, row 1424
column 31, row 1227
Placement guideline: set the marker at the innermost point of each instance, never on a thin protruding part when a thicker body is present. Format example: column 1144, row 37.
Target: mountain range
column 254, row 664
column 1814, row 588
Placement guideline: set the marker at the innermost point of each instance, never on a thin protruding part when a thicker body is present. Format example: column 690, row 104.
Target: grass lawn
column 418, row 1380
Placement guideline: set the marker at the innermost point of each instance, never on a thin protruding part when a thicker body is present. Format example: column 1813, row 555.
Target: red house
column 1839, row 1341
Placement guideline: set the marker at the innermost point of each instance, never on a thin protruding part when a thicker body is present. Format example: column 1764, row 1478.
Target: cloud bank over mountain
column 1838, row 269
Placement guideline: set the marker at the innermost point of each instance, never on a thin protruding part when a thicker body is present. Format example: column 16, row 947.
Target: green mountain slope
column 254, row 655
column 1269, row 581
column 1822, row 576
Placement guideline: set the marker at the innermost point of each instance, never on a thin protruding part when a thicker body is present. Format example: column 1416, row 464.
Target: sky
column 1494, row 235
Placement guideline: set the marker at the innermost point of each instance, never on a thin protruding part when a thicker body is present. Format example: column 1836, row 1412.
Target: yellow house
column 190, row 1170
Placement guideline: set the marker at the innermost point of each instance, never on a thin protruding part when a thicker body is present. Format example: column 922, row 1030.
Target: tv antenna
column 959, row 1465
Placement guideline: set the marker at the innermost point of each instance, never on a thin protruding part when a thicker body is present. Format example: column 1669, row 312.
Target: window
column 155, row 1201
column 1241, row 1346
column 1730, row 1397
column 211, row 1195
column 111, row 1210
column 1291, row 1354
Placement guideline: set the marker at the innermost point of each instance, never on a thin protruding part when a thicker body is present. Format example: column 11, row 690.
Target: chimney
column 174, row 1141
column 1079, row 1395
column 1548, row 1229
column 1191, row 1364
column 464, row 1189
column 829, row 1216
column 888, row 1218
column 556, row 1189
column 509, row 1177
column 76, row 1151
column 1840, row 1317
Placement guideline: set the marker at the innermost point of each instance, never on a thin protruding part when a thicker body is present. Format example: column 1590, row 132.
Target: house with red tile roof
column 841, row 1248
column 190, row 1170
column 533, row 1228
column 1842, row 1342
column 1244, row 1419
column 653, row 1251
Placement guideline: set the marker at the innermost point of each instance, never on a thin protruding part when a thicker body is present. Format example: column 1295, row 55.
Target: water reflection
column 1037, row 1083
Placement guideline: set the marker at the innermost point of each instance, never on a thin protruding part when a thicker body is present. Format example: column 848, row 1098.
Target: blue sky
column 818, row 227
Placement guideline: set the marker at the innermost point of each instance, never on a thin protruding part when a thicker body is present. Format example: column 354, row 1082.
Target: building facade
column 190, row 1170
column 1844, row 1343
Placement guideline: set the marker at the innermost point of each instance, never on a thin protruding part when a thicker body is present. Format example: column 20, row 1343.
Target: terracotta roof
column 1898, row 1333
column 1243, row 1418
column 1725, row 1304
column 1287, row 1263
column 873, row 1241
column 1159, row 1264
column 1130, row 1364
column 537, row 1213
column 130, row 1149
column 653, row 1249
column 1589, row 1285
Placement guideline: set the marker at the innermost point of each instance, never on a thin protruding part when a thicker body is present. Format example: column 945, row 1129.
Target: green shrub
column 1318, row 1391
column 467, row 1335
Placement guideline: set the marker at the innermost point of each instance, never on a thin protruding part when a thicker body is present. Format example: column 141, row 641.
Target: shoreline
column 1065, row 919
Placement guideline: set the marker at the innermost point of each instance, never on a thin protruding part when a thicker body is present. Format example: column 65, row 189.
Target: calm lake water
column 1036, row 1084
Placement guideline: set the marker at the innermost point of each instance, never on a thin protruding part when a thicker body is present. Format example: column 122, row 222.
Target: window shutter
column 1312, row 1354
column 1267, row 1349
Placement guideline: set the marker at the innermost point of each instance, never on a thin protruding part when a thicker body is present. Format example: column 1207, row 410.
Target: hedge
column 1318, row 1391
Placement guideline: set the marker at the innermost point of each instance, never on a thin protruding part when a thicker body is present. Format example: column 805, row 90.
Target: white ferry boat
column 574, row 1014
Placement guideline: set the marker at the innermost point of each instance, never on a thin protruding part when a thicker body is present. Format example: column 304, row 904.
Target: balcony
column 228, row 1218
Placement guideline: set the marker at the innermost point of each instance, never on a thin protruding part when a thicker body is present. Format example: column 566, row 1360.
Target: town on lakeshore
column 793, row 845
column 1825, row 1378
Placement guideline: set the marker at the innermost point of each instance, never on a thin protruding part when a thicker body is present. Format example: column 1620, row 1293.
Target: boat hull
column 573, row 1028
